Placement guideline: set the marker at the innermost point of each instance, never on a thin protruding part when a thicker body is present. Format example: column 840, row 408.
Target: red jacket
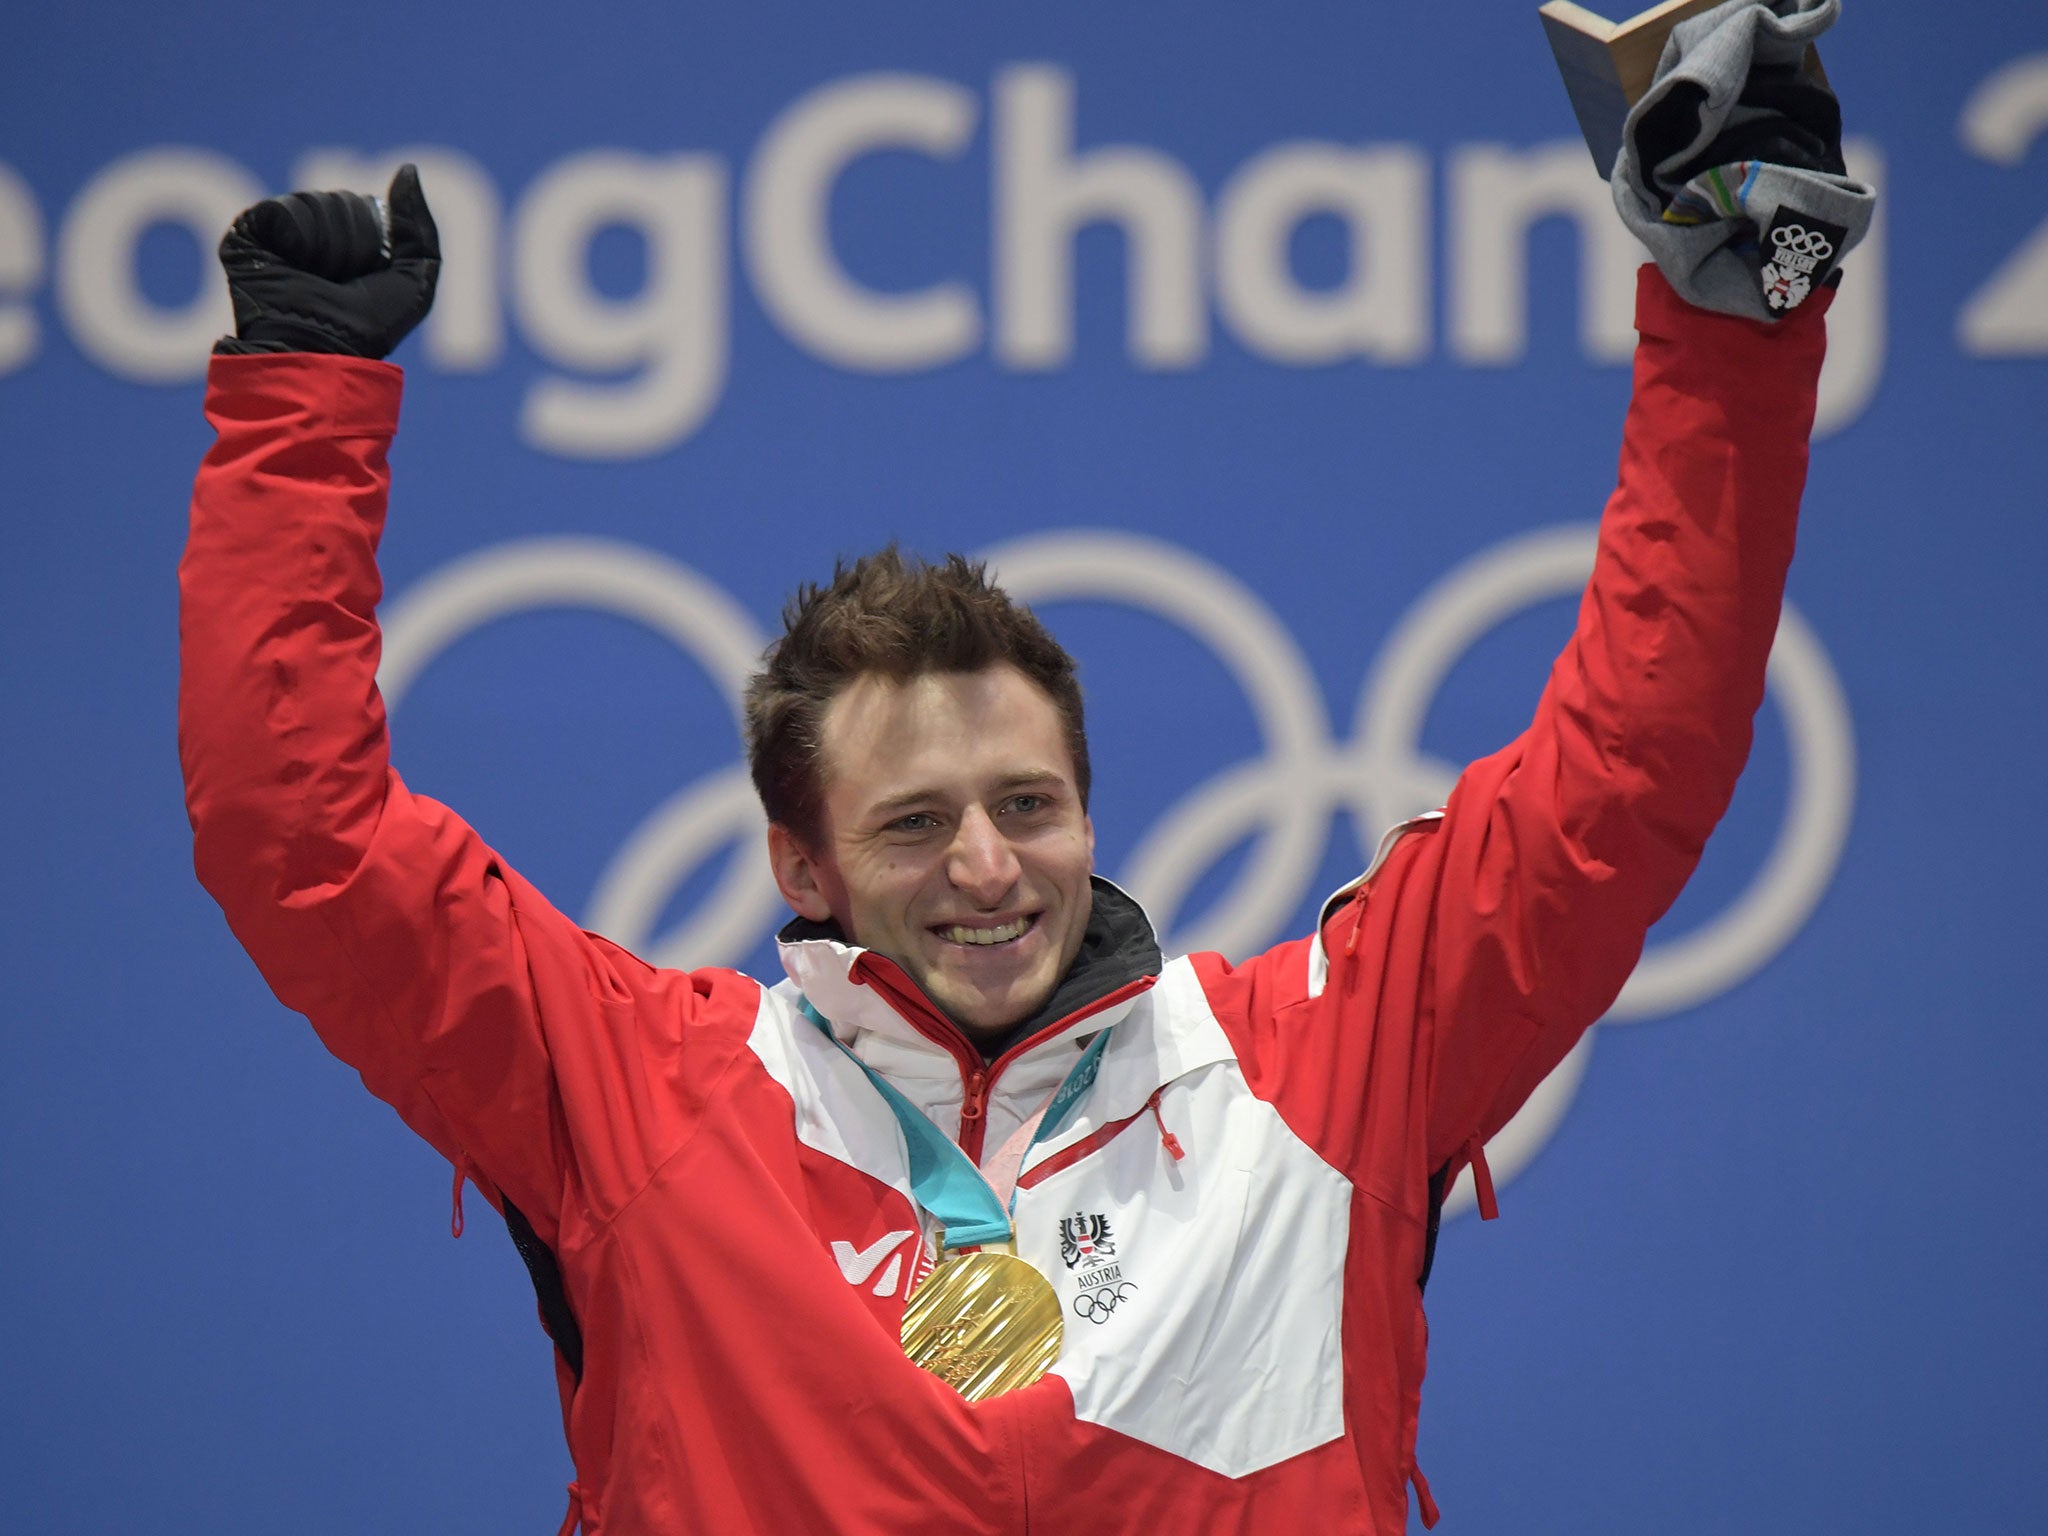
column 1235, row 1218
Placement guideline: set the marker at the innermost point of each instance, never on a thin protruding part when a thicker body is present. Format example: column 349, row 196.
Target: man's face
column 953, row 842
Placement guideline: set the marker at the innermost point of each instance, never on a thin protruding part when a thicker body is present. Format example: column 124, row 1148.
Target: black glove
column 331, row 271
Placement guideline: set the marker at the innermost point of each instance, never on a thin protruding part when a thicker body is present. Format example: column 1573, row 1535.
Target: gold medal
column 984, row 1323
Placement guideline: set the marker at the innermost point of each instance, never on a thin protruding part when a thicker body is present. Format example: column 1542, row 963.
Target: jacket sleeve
column 1448, row 983
column 1556, row 854
column 417, row 955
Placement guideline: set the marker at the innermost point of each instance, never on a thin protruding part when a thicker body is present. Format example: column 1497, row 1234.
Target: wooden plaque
column 1608, row 65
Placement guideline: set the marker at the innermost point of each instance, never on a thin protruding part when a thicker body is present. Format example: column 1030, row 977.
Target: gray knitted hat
column 1748, row 237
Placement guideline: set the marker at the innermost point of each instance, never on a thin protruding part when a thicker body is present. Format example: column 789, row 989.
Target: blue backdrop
column 1280, row 352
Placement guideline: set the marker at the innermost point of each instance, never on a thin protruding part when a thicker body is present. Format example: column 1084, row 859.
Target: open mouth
column 988, row 937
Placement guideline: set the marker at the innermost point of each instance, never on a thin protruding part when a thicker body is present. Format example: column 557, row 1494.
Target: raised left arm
column 1556, row 854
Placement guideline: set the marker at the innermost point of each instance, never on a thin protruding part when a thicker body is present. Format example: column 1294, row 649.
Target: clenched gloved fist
column 332, row 271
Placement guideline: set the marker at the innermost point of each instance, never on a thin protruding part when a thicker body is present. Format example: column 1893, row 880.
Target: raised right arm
column 376, row 913
column 500, row 1032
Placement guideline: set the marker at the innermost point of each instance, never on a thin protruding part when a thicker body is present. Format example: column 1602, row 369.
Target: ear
column 798, row 875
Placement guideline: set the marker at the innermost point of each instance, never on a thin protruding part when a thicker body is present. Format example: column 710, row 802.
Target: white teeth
column 959, row 933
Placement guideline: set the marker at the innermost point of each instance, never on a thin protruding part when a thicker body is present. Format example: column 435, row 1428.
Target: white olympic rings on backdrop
column 698, row 820
column 1287, row 797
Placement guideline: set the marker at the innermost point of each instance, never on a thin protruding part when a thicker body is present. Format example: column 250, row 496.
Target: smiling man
column 986, row 1217
column 927, row 784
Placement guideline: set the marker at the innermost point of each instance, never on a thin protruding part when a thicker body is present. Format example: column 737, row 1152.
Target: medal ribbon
column 942, row 1179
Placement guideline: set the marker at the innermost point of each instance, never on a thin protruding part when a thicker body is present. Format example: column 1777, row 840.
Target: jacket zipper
column 977, row 1076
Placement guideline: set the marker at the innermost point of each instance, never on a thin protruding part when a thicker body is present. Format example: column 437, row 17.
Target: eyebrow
column 910, row 799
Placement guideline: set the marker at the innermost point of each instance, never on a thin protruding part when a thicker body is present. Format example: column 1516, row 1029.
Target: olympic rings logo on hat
column 1285, row 801
column 1801, row 241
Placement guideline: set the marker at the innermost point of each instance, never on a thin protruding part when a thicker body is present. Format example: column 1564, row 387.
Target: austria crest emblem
column 1086, row 1241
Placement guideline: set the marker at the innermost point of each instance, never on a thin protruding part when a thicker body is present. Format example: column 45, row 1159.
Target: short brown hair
column 901, row 618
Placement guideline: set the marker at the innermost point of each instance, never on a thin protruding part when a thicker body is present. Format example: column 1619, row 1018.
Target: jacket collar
column 859, row 990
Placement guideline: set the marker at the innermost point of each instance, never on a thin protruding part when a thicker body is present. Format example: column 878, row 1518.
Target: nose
column 981, row 863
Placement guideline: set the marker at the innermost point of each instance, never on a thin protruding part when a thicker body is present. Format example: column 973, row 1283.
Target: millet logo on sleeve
column 856, row 1264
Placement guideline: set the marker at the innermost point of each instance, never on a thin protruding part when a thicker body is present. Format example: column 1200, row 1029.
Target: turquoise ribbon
column 1062, row 1103
column 942, row 1178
